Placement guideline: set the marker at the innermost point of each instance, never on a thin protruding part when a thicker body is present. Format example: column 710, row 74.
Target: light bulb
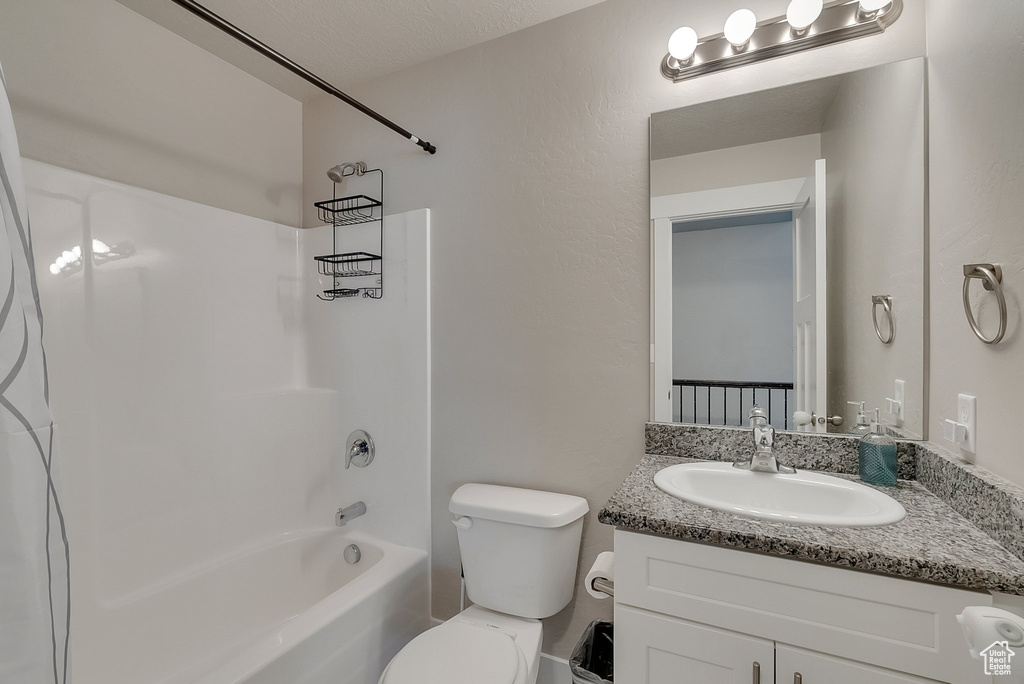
column 802, row 13
column 54, row 269
column 871, row 6
column 739, row 27
column 68, row 256
column 682, row 43
column 77, row 251
column 100, row 247
column 59, row 262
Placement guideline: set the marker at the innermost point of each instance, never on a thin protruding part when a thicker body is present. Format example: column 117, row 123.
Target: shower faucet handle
column 359, row 449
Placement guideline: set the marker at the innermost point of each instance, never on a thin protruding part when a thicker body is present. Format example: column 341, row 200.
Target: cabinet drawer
column 655, row 649
column 804, row 667
column 899, row 624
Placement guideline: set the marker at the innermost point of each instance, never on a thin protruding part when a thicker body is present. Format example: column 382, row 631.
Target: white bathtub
column 290, row 611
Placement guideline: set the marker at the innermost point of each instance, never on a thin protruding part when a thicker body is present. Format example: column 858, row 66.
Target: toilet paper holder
column 603, row 584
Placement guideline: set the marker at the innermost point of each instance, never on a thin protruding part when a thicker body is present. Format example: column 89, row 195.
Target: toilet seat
column 458, row 653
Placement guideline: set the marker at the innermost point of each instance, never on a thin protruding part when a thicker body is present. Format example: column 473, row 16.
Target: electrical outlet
column 967, row 415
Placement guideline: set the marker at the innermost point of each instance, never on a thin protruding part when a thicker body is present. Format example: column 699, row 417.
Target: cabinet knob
column 798, row 678
column 757, row 673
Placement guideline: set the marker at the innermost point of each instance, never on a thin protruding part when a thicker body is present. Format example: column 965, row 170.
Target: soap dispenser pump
column 863, row 425
column 877, row 455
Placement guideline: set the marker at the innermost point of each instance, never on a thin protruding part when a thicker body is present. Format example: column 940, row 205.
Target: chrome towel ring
column 991, row 276
column 886, row 302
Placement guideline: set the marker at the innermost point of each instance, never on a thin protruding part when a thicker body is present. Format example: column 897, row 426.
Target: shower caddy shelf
column 351, row 211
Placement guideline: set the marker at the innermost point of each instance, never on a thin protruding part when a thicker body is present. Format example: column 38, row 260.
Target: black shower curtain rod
column 267, row 51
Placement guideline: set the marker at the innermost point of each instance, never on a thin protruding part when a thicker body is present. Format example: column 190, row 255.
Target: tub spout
column 348, row 513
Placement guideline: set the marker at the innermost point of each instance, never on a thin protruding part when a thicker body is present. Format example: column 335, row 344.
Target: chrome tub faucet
column 344, row 515
column 762, row 460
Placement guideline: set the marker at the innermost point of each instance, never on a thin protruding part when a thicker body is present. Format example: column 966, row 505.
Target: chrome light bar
column 777, row 37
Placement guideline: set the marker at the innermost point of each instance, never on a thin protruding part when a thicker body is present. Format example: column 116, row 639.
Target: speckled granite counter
column 933, row 543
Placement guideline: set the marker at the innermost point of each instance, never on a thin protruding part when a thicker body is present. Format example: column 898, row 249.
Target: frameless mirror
column 788, row 235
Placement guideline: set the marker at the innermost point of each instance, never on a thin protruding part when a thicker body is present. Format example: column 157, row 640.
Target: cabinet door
column 655, row 649
column 796, row 666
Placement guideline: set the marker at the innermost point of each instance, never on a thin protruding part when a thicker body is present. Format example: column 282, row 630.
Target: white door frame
column 740, row 200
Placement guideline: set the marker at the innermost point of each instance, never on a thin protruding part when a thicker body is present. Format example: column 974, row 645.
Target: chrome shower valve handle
column 359, row 449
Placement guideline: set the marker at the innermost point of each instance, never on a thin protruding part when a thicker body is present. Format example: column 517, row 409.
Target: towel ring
column 886, row 302
column 991, row 276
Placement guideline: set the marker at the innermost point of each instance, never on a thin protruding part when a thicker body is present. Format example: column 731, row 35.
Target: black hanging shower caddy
column 365, row 267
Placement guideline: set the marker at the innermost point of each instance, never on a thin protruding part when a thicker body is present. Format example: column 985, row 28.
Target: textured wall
column 99, row 89
column 540, row 249
column 873, row 143
column 976, row 147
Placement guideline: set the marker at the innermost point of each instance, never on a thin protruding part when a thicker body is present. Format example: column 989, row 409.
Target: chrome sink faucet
column 762, row 460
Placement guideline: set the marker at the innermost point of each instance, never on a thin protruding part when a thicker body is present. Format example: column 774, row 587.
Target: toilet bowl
column 519, row 552
column 477, row 646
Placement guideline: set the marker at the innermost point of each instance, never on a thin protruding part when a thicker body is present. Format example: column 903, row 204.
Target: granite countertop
column 933, row 543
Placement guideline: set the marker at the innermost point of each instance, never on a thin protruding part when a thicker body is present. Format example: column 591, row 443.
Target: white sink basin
column 802, row 498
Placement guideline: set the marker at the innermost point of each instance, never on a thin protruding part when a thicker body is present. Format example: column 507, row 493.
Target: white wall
column 99, row 89
column 741, row 165
column 976, row 147
column 732, row 301
column 182, row 438
column 873, row 143
column 539, row 208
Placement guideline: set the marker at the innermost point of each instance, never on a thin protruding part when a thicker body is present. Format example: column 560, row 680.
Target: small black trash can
column 591, row 661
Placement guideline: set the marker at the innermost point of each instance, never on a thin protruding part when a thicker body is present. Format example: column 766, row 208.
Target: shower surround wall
column 204, row 395
column 539, row 201
column 184, row 439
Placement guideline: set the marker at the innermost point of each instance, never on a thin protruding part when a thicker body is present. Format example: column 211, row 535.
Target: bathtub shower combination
column 201, row 411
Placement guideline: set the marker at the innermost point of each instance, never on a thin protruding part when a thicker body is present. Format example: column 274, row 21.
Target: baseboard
column 552, row 670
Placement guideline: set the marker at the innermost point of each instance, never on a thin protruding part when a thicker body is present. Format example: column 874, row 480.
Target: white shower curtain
column 34, row 588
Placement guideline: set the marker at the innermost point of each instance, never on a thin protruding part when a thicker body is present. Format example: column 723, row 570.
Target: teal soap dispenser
column 877, row 456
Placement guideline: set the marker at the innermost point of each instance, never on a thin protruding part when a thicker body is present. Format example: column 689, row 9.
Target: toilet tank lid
column 519, row 506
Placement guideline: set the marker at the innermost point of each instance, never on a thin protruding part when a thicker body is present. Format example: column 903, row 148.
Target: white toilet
column 519, row 552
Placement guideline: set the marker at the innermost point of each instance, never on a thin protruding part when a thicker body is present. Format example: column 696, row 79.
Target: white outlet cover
column 967, row 414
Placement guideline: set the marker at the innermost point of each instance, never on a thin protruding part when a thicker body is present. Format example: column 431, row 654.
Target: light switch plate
column 967, row 414
column 900, row 395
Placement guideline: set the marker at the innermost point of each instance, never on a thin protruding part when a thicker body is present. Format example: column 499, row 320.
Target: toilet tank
column 519, row 547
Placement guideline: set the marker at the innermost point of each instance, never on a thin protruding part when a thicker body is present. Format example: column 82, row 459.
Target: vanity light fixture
column 807, row 24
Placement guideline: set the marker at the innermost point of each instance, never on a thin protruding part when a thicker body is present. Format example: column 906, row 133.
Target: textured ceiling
column 349, row 41
column 785, row 112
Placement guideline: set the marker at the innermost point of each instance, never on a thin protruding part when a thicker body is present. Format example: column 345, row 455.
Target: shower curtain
column 35, row 608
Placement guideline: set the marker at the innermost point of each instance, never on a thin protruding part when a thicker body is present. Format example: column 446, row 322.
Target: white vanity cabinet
column 688, row 613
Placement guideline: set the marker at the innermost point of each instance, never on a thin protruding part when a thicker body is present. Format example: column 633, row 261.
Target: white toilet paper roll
column 603, row 567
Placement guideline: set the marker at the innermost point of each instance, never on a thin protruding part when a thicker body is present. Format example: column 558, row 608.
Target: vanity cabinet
column 688, row 612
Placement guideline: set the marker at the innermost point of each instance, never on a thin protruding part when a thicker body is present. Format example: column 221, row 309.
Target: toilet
column 519, row 552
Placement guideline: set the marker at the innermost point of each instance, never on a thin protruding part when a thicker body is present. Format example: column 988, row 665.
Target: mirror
column 788, row 255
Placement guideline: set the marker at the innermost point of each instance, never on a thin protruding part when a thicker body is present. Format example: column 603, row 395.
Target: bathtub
column 289, row 611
